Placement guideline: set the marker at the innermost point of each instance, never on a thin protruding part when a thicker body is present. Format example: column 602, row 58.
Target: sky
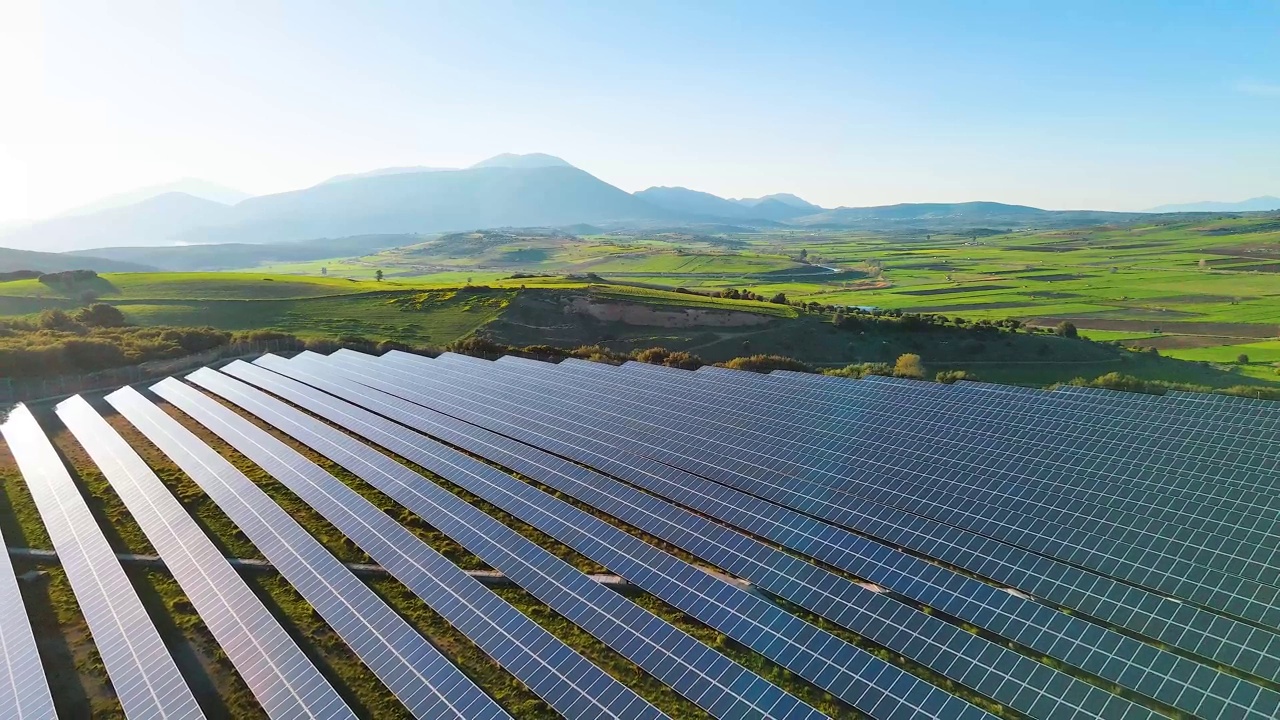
column 1079, row 104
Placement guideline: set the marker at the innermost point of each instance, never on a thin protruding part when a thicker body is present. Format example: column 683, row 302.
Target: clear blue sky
column 1112, row 105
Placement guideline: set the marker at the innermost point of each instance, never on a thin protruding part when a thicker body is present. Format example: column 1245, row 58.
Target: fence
column 31, row 389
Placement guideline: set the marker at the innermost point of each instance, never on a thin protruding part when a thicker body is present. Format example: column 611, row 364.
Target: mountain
column 784, row 198
column 487, row 197
column 384, row 171
column 511, row 160
column 154, row 221
column 230, row 256
column 1266, row 202
column 686, row 202
column 694, row 204
column 194, row 187
column 960, row 217
column 46, row 262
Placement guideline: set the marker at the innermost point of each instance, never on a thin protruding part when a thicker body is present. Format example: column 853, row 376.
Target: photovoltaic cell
column 142, row 672
column 901, row 476
column 554, row 671
column 1182, row 625
column 721, row 686
column 1197, row 688
column 849, row 673
column 24, row 690
column 285, row 682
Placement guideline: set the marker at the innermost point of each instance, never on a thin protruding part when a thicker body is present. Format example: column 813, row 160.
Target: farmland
column 1203, row 291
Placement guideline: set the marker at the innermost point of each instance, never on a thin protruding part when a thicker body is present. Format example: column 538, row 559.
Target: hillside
column 569, row 312
column 155, row 221
column 229, row 256
column 11, row 260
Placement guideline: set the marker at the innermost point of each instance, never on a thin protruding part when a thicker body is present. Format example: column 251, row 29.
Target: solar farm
column 740, row 545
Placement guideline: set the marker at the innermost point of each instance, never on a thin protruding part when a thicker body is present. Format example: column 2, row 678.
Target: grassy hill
column 568, row 313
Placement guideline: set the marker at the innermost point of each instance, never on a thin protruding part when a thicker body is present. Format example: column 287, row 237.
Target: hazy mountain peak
column 788, row 199
column 194, row 187
column 1263, row 203
column 530, row 160
column 384, row 171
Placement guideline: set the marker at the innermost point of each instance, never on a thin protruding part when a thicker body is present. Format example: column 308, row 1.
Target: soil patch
column 953, row 290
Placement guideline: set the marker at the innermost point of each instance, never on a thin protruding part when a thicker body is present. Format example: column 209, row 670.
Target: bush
column 766, row 363
column 909, row 365
column 58, row 319
column 1242, row 359
column 100, row 315
column 1066, row 329
column 861, row 370
column 947, row 377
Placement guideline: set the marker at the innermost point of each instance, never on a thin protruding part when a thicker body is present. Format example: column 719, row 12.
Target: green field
column 1203, row 291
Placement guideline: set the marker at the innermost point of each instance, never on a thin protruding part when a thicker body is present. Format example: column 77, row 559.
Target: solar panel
column 847, row 672
column 24, row 690
column 1153, row 479
column 1192, row 554
column 143, row 674
column 720, row 685
column 1178, row 624
column 1107, row 654
column 274, row 666
column 990, row 670
column 555, row 672
column 917, row 479
column 1152, row 439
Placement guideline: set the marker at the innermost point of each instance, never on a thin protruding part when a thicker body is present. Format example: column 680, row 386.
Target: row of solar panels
column 789, row 482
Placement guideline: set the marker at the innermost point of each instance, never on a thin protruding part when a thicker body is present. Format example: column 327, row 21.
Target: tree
column 779, row 299
column 1242, row 359
column 838, row 318
column 324, row 270
column 101, row 315
column 377, row 275
column 1066, row 329
column 908, row 365
column 804, row 254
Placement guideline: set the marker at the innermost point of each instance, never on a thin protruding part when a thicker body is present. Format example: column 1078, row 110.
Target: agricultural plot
column 532, row 540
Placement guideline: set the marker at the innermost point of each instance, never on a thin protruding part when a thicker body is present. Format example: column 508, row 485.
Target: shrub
column 950, row 376
column 861, row 370
column 100, row 315
column 1066, row 329
column 1242, row 359
column 766, row 363
column 909, row 365
column 58, row 319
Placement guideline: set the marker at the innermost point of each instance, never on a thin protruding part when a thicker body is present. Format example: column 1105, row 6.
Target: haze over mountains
column 1258, row 204
column 504, row 191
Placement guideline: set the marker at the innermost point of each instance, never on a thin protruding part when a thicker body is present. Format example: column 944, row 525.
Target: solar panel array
column 142, row 671
column 1110, row 655
column 285, row 682
column 905, row 549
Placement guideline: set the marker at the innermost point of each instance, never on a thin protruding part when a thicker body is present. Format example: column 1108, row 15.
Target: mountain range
column 534, row 190
column 1258, row 204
